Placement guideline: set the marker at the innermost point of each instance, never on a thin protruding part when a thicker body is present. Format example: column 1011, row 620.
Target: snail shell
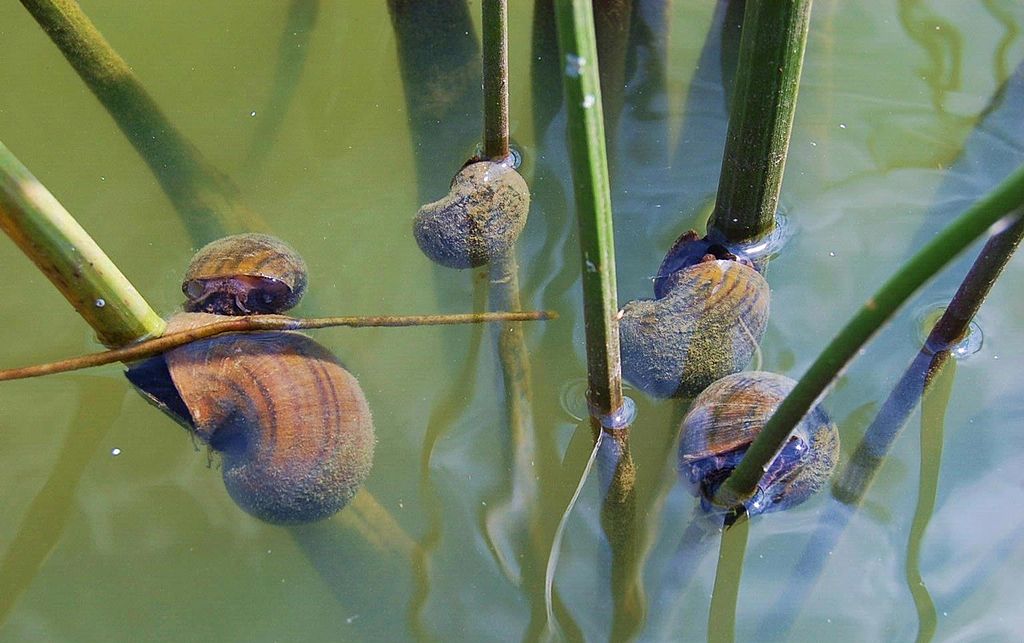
column 707, row 326
column 244, row 274
column 725, row 419
column 689, row 250
column 479, row 219
column 292, row 425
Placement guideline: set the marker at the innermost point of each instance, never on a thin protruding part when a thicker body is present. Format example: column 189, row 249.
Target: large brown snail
column 478, row 220
column 292, row 425
column 707, row 322
column 726, row 417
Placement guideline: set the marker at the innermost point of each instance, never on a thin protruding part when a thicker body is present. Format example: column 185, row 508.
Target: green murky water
column 117, row 527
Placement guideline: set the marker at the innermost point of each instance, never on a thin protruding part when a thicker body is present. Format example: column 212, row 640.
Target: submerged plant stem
column 254, row 323
column 495, row 65
column 1006, row 197
column 725, row 595
column 575, row 20
column 207, row 199
column 771, row 56
column 34, row 219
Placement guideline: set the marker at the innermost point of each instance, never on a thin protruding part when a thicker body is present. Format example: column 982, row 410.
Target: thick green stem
column 575, row 21
column 927, row 262
column 495, row 63
column 206, row 198
column 761, row 117
column 67, row 255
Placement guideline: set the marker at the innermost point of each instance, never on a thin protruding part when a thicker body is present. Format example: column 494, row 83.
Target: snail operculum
column 723, row 422
column 707, row 325
column 244, row 274
column 478, row 220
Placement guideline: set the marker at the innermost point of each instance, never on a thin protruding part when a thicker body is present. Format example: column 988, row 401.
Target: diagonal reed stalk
column 68, row 256
column 928, row 261
column 761, row 117
column 207, row 200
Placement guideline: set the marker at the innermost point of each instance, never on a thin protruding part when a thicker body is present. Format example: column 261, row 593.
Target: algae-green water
column 117, row 525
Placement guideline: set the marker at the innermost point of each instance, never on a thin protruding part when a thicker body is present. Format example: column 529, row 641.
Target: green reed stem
column 575, row 20
column 67, row 255
column 495, row 64
column 258, row 323
column 761, row 117
column 927, row 262
column 206, row 198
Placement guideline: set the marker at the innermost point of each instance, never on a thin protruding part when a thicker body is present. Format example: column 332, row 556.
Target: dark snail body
column 244, row 274
column 726, row 417
column 479, row 219
column 689, row 250
column 708, row 325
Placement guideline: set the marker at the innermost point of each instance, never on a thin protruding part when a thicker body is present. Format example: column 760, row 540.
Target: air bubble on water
column 831, row 254
column 574, row 65
column 588, row 101
column 115, row 451
column 842, row 126
column 252, row 113
column 971, row 344
column 100, row 303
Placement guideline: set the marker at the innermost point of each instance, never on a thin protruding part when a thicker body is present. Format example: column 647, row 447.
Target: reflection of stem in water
column 439, row 60
column 1001, row 10
column 724, row 597
column 208, row 200
column 933, row 411
column 942, row 44
column 612, row 19
column 510, row 514
column 442, row 417
column 551, row 628
column 617, row 473
column 41, row 528
column 291, row 58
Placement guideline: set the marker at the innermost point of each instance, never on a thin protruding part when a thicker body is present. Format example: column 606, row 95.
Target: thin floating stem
column 1005, row 198
column 251, row 323
column 761, row 117
column 34, row 219
column 575, row 20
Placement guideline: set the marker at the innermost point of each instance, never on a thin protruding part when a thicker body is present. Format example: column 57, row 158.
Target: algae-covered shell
column 243, row 274
column 479, row 219
column 708, row 325
column 292, row 425
column 726, row 417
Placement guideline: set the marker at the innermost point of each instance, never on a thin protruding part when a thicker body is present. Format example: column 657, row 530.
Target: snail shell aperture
column 726, row 417
column 292, row 425
column 479, row 219
column 243, row 274
column 708, row 325
column 689, row 250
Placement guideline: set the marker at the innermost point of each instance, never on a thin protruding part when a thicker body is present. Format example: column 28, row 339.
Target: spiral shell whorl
column 292, row 425
column 707, row 326
column 479, row 219
column 726, row 417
